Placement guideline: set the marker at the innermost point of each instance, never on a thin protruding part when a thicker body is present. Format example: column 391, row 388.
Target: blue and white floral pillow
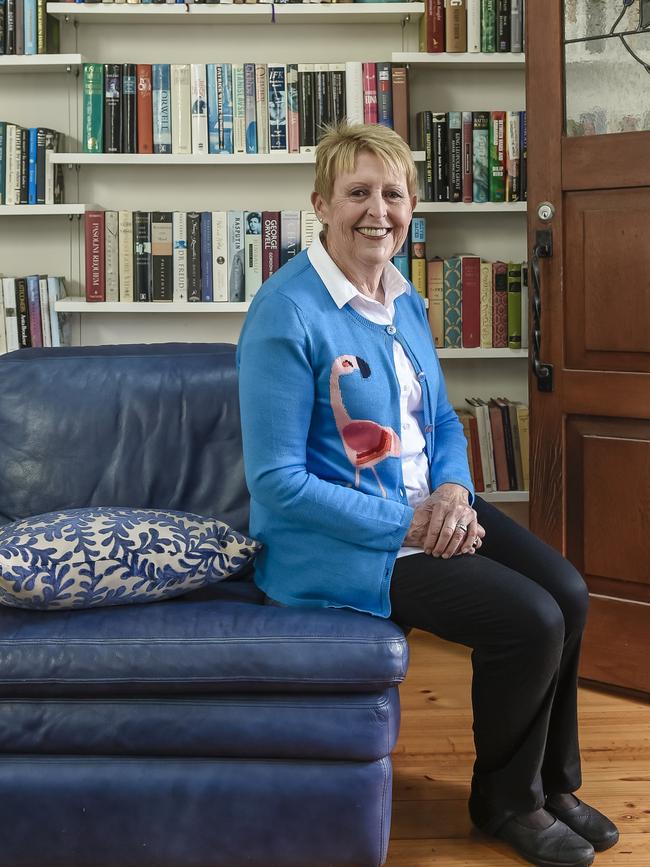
column 82, row 558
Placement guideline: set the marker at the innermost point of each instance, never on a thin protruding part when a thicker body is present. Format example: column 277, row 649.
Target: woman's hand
column 445, row 524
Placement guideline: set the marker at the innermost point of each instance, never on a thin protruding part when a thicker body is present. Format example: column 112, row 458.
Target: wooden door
column 589, row 157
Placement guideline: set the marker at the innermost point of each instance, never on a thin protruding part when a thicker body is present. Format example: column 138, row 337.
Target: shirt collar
column 338, row 285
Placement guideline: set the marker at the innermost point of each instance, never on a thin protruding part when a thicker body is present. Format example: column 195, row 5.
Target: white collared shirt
column 415, row 466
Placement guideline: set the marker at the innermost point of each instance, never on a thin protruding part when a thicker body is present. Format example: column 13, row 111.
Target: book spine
column 499, row 446
column 93, row 108
column 503, row 25
column 435, row 297
column 464, row 418
column 94, row 234
column 19, row 31
column 3, row 161
column 236, row 267
column 293, row 110
column 3, row 31
column 199, row 107
column 516, row 26
column 309, row 228
column 337, row 107
column 401, row 260
column 514, row 305
column 34, row 310
column 306, row 86
column 516, row 444
column 11, row 313
column 226, row 117
column 125, row 252
column 488, row 26
column 129, row 118
column 193, row 256
column 440, row 158
column 53, row 173
column 162, row 256
column 29, row 26
column 207, row 292
column 144, row 111
column 180, row 88
column 474, row 26
column 354, row 91
column 321, row 98
column 44, row 305
column 523, row 427
column 509, row 444
column 455, row 26
column 418, row 255
column 214, row 138
column 238, row 108
column 455, row 149
column 112, row 108
column 289, row 235
column 111, row 256
column 179, row 256
column 499, row 305
column 438, row 26
column 401, row 114
column 32, row 149
column 512, row 125
column 480, row 149
column 496, row 157
column 22, row 313
column 250, row 108
column 11, row 167
column 277, row 107
column 370, row 110
column 23, row 162
column 523, row 156
column 479, row 481
column 161, row 108
column 141, row 256
column 468, row 173
column 524, row 305
column 220, row 255
column 262, row 110
column 384, row 94
column 471, row 301
column 270, row 243
column 55, row 291
column 486, row 305
column 424, row 126
column 253, row 252
column 452, row 302
column 10, row 24
column 46, row 32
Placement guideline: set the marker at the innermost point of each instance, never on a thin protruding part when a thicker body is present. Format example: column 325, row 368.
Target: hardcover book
column 384, row 94
column 435, row 297
column 236, row 263
column 94, row 235
column 162, row 256
column 250, row 108
column 270, row 243
column 440, row 157
column 309, row 228
column 321, row 98
column 455, row 26
column 125, row 252
column 479, row 410
column 253, row 252
column 514, row 305
column 199, row 109
column 226, row 116
column 474, row 26
column 277, row 107
column 512, row 156
column 452, row 288
column 161, row 105
column 370, row 110
column 193, row 256
column 480, row 149
column 418, row 237
column 337, row 106
column 93, row 108
column 34, row 311
column 455, row 150
column 112, row 108
column 471, row 301
column 180, row 90
column 238, row 108
column 141, row 256
column 400, row 82
column 424, row 127
column 497, row 157
column 262, row 108
column 144, row 108
column 307, row 109
column 22, row 313
column 354, row 91
column 488, row 26
column 503, row 25
column 207, row 293
column 179, row 256
column 111, row 256
column 128, row 109
column 468, row 172
column 499, row 446
column 289, row 235
column 220, row 256
column 499, row 305
column 486, row 305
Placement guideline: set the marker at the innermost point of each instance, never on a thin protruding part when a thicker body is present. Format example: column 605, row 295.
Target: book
column 309, row 228
column 22, row 313
column 180, row 106
column 499, row 446
column 253, row 253
column 31, row 165
column 44, row 303
column 480, row 150
column 3, row 156
column 353, row 91
column 435, row 296
column 418, row 238
column 523, row 157
column 516, row 26
column 524, row 305
column 401, row 259
column 400, row 84
column 142, row 272
column 475, row 448
column 514, row 305
column 336, row 92
column 509, row 434
column 277, row 75
column 262, row 108
column 270, row 243
column 111, row 256
column 112, row 108
column 424, row 138
column 193, row 256
column 512, row 127
column 250, row 109
column 432, row 27
column 220, row 256
column 464, row 417
column 34, row 311
column 128, row 109
column 516, row 444
column 499, row 305
column 94, row 235
column 384, row 94
column 199, row 108
column 3, row 332
column 440, row 157
column 455, row 151
column 496, row 157
column 144, row 108
column 125, row 254
column 470, row 301
column 236, row 261
column 473, row 26
column 488, row 26
column 179, row 255
column 321, row 98
column 479, row 409
column 53, row 171
column 503, row 25
column 207, row 292
column 12, row 192
column 522, row 426
column 161, row 108
column 486, row 305
column 22, row 140
column 370, row 111
column 93, row 108
column 306, row 107
column 10, row 314
column 455, row 26
column 59, row 322
column 289, row 235
column 452, row 302
column 162, row 256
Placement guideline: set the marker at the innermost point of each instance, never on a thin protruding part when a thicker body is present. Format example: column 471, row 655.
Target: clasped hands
column 445, row 525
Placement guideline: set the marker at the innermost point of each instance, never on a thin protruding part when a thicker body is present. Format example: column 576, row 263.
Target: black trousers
column 521, row 607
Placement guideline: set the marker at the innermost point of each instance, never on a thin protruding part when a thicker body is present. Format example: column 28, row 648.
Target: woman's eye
column 394, row 194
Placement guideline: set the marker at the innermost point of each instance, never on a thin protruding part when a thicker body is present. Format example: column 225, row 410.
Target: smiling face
column 368, row 215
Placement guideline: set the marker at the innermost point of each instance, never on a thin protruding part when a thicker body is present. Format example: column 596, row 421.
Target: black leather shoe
column 555, row 846
column 586, row 821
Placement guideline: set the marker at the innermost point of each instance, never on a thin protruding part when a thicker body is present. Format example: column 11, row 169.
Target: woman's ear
column 317, row 203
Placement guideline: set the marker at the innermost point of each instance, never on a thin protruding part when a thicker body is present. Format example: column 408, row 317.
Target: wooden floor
column 434, row 755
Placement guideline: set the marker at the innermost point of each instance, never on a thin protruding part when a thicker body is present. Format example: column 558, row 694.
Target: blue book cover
column 29, row 24
column 31, row 166
column 402, row 265
column 3, row 159
column 214, row 137
column 250, row 107
column 226, row 118
column 418, row 230
column 277, row 107
column 162, row 123
column 480, row 147
column 206, row 256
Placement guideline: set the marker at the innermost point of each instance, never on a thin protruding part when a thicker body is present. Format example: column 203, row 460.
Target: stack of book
column 475, row 26
column 26, row 29
column 235, row 108
column 27, row 315
column 26, row 176
column 473, row 156
column 189, row 256
column 497, row 443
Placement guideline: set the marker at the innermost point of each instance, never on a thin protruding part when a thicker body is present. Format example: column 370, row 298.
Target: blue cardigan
column 320, row 415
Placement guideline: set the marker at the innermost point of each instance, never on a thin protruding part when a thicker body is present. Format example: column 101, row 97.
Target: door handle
column 543, row 249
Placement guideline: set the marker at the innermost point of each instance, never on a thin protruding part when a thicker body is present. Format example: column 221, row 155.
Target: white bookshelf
column 78, row 304
column 273, row 159
column 44, row 210
column 19, row 64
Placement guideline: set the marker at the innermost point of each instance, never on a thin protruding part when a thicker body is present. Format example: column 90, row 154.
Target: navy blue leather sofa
column 210, row 730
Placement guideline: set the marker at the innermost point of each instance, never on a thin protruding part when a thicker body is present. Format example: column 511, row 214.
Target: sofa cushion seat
column 192, row 646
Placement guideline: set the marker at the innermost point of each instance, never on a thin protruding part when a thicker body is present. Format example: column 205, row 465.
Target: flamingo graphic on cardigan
column 366, row 442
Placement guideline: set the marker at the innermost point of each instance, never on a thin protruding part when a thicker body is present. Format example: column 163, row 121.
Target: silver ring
column 461, row 527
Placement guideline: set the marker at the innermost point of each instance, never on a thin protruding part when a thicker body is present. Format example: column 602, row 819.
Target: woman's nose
column 377, row 205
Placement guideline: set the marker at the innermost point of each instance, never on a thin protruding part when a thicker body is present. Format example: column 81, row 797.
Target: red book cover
column 438, row 30
column 370, row 113
column 470, row 276
column 499, row 305
column 479, row 482
column 94, row 226
column 270, row 243
column 144, row 108
column 499, row 445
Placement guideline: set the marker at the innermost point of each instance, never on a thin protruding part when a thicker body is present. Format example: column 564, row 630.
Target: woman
column 361, row 493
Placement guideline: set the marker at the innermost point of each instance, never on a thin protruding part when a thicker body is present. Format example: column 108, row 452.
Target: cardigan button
column 390, row 329
column 428, row 428
column 421, row 375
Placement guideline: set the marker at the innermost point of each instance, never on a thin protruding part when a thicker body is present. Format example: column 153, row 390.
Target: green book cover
column 451, row 288
column 488, row 26
column 497, row 157
column 480, row 142
column 514, row 305
column 93, row 108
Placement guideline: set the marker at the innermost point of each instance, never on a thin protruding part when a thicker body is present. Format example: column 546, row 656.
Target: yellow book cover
column 435, row 297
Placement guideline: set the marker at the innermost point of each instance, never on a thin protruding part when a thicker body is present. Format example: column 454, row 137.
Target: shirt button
column 390, row 329
column 406, row 426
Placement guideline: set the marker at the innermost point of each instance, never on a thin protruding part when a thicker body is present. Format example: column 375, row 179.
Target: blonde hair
column 339, row 149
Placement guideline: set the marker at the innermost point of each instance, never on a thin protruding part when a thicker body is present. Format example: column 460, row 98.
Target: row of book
column 189, row 256
column 497, row 443
column 253, row 108
column 473, row 156
column 224, row 2
column 27, row 177
column 25, row 28
column 27, row 314
column 475, row 26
